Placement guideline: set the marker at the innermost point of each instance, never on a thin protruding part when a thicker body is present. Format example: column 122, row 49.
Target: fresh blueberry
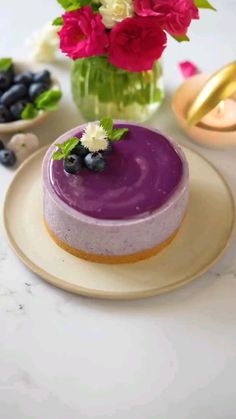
column 43, row 76
column 73, row 164
column 80, row 150
column 17, row 108
column 5, row 80
column 11, row 71
column 1, row 145
column 7, row 158
column 12, row 95
column 108, row 150
column 95, row 162
column 5, row 114
column 36, row 89
column 25, row 78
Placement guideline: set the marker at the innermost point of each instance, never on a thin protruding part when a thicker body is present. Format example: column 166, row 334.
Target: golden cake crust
column 112, row 260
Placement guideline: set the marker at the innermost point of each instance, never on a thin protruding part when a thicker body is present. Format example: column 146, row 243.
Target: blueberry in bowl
column 28, row 92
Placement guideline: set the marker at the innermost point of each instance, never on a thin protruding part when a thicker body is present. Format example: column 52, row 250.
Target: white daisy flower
column 95, row 138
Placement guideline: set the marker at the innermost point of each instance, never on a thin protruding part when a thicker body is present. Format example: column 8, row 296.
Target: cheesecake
column 129, row 208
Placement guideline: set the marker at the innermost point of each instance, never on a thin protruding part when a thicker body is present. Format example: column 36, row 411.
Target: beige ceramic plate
column 17, row 126
column 202, row 239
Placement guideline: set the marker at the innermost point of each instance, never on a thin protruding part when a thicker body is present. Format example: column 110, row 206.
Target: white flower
column 94, row 137
column 23, row 145
column 45, row 43
column 114, row 11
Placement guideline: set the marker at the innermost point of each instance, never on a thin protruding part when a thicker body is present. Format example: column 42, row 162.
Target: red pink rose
column 136, row 43
column 174, row 16
column 83, row 34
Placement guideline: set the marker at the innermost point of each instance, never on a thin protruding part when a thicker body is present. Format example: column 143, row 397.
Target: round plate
column 23, row 125
column 202, row 238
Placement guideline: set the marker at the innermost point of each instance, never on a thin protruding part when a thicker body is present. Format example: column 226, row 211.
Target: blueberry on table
column 17, row 108
column 80, row 150
column 25, row 78
column 36, row 89
column 5, row 114
column 1, row 145
column 95, row 162
column 73, row 164
column 43, row 76
column 12, row 95
column 7, row 158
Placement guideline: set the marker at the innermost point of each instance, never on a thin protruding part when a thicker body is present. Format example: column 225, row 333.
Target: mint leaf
column 29, row 112
column 204, row 4
column 57, row 155
column 69, row 145
column 5, row 64
column 181, row 38
column 48, row 101
column 117, row 134
column 107, row 125
column 66, row 148
column 58, row 21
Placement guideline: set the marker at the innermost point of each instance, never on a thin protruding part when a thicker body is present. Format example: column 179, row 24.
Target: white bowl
column 23, row 125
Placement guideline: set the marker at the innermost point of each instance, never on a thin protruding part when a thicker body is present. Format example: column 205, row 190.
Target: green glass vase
column 100, row 89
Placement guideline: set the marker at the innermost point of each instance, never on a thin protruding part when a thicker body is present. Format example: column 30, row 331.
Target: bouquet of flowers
column 132, row 33
column 123, row 34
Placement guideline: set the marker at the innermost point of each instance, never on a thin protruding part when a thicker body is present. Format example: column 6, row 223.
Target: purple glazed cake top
column 143, row 172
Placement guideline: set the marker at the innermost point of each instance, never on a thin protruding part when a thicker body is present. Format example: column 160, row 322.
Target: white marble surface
column 66, row 357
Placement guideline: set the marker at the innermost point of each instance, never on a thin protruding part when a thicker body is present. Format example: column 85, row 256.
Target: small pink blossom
column 174, row 16
column 188, row 69
column 83, row 34
column 136, row 43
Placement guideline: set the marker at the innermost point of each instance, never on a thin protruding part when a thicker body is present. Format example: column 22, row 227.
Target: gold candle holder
column 197, row 97
column 219, row 87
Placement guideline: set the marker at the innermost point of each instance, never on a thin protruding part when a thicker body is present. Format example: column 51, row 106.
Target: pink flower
column 174, row 15
column 83, row 34
column 135, row 43
column 188, row 69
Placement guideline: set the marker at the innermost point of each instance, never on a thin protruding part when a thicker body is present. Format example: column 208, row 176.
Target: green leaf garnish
column 49, row 100
column 66, row 148
column 118, row 134
column 204, row 4
column 5, row 64
column 58, row 21
column 29, row 112
column 57, row 155
column 113, row 134
column 181, row 38
column 107, row 124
